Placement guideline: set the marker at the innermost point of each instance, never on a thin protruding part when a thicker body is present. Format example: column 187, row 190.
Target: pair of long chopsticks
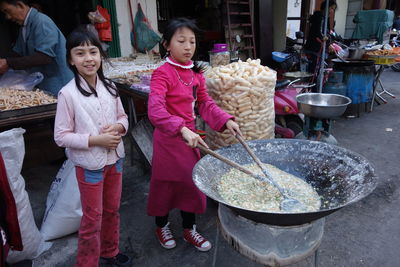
column 287, row 204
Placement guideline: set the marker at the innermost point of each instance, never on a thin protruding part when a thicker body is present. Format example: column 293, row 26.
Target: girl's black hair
column 79, row 37
column 14, row 2
column 331, row 3
column 176, row 24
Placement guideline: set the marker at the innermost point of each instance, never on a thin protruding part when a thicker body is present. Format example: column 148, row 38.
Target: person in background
column 176, row 88
column 313, row 45
column 396, row 23
column 40, row 46
column 90, row 122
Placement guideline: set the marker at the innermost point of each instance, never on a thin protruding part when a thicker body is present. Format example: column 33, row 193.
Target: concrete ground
column 366, row 233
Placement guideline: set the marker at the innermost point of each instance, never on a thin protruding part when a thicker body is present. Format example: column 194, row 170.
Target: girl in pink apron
column 176, row 87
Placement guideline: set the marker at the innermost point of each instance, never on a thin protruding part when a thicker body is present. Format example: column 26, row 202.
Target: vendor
column 313, row 46
column 40, row 46
column 396, row 23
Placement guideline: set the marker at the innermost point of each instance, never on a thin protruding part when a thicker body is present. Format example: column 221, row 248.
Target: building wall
column 340, row 17
column 353, row 8
column 294, row 11
column 279, row 25
column 149, row 8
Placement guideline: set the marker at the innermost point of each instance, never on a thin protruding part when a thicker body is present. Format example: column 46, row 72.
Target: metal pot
column 301, row 76
column 340, row 177
column 352, row 63
column 323, row 106
column 356, row 53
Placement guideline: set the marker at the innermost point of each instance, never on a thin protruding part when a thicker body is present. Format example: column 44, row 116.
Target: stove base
column 269, row 244
column 325, row 137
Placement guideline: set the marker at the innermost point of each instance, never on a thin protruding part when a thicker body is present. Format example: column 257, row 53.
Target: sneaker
column 193, row 237
column 165, row 237
column 119, row 260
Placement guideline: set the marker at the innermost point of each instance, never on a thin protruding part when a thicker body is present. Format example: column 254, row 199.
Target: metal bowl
column 302, row 76
column 356, row 53
column 339, row 176
column 322, row 106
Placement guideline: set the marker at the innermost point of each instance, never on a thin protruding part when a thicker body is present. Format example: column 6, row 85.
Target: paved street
column 366, row 233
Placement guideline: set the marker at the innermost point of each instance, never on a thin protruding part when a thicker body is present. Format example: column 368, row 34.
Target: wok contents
column 11, row 99
column 244, row 191
column 385, row 52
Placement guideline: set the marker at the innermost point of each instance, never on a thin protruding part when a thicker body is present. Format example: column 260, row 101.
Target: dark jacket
column 396, row 23
column 8, row 211
column 315, row 33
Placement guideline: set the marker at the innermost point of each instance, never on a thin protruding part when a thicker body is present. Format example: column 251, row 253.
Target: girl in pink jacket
column 176, row 87
column 90, row 121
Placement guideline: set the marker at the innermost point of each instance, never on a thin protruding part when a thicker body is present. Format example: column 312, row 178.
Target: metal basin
column 322, row 106
column 340, row 177
column 302, row 76
column 356, row 53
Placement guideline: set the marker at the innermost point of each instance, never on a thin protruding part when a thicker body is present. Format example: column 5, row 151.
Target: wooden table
column 128, row 96
column 38, row 122
column 139, row 132
column 12, row 118
column 15, row 121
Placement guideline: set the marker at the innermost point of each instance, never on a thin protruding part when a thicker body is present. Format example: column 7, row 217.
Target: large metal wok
column 341, row 177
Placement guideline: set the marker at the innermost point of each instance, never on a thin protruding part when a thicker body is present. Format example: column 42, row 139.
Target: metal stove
column 319, row 109
column 279, row 238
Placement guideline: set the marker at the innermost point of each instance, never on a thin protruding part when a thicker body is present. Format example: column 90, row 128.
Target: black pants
column 188, row 220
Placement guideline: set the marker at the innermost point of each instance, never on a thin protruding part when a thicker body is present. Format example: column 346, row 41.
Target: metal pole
column 322, row 65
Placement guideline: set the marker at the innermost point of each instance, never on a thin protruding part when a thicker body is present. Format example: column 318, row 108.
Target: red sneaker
column 193, row 237
column 165, row 237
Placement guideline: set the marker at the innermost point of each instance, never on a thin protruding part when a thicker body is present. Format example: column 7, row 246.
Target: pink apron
column 170, row 107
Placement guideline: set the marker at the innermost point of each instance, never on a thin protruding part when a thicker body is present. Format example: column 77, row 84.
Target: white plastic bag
column 13, row 150
column 63, row 206
column 20, row 79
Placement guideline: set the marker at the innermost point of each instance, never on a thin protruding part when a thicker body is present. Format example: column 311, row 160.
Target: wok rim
column 374, row 179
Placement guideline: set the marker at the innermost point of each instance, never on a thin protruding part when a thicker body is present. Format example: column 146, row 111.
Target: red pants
column 99, row 230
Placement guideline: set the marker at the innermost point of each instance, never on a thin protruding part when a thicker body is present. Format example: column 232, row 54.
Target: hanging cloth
column 143, row 37
column 104, row 29
column 372, row 24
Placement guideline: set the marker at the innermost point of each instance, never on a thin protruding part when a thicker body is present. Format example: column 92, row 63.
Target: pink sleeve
column 157, row 108
column 122, row 118
column 64, row 134
column 214, row 116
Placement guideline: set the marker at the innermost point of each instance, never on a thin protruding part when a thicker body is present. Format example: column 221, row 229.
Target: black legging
column 188, row 220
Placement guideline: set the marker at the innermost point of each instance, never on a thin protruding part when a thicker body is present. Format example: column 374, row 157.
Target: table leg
column 381, row 98
column 375, row 93
column 132, row 122
column 384, row 91
column 316, row 258
column 374, row 84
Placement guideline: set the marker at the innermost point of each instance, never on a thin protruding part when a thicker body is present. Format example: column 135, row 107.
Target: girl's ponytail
column 199, row 67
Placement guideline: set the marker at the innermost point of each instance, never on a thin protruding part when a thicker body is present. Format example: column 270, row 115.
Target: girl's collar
column 188, row 65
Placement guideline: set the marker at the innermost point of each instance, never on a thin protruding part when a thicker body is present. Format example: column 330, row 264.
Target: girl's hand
column 191, row 138
column 109, row 140
column 117, row 127
column 233, row 127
